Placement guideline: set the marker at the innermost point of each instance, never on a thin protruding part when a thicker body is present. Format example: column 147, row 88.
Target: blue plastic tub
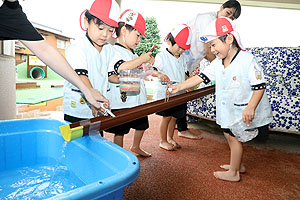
column 36, row 163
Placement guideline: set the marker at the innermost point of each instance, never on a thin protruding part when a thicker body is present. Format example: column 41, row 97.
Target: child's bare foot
column 140, row 151
column 227, row 176
column 242, row 168
column 167, row 146
column 189, row 135
column 175, row 144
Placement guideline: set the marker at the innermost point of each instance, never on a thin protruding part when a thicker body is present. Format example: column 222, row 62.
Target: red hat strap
column 80, row 20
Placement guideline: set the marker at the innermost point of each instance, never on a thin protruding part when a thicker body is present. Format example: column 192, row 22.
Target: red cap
column 182, row 36
column 219, row 27
column 106, row 10
column 134, row 19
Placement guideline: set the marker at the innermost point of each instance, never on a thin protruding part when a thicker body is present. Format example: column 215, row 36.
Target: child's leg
column 163, row 134
column 183, row 130
column 170, row 135
column 118, row 139
column 137, row 137
column 226, row 166
column 236, row 152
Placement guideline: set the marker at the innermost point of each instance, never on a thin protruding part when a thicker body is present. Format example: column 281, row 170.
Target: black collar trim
column 238, row 51
column 125, row 47
column 169, row 51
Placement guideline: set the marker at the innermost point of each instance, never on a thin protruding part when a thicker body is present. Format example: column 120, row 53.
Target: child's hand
column 163, row 77
column 152, row 60
column 248, row 115
column 146, row 57
column 172, row 89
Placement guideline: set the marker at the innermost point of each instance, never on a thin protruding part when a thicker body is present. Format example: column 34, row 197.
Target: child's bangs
column 99, row 22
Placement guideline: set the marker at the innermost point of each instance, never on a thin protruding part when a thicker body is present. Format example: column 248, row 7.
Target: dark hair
column 120, row 25
column 171, row 39
column 96, row 20
column 233, row 4
column 223, row 38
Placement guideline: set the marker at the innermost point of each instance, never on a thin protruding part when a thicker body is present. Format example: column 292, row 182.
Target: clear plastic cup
column 130, row 82
column 243, row 132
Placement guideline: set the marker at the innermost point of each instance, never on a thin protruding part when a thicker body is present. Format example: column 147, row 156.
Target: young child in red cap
column 172, row 63
column 90, row 57
column 131, row 28
column 199, row 53
column 240, row 87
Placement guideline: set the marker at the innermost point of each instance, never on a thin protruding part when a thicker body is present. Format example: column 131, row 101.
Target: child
column 240, row 87
column 90, row 56
column 171, row 63
column 15, row 25
column 200, row 51
column 129, row 32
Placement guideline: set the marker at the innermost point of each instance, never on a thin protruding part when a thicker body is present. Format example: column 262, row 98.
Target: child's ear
column 123, row 30
column 85, row 22
column 221, row 8
column 229, row 39
column 169, row 43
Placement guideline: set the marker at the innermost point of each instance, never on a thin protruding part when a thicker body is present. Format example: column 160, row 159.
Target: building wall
column 51, row 38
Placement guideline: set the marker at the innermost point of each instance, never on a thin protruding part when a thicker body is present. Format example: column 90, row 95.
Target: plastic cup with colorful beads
column 130, row 82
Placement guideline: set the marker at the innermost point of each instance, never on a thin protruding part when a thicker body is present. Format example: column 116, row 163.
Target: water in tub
column 39, row 181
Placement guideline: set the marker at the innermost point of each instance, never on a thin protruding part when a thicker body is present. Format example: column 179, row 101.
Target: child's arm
column 52, row 58
column 114, row 78
column 258, row 85
column 248, row 113
column 145, row 57
column 162, row 77
column 195, row 80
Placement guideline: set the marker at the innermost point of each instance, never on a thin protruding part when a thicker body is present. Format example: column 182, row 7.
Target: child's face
column 132, row 38
column 99, row 34
column 176, row 50
column 219, row 48
column 227, row 12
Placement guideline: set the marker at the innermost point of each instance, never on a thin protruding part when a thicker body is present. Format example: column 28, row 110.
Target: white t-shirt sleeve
column 158, row 63
column 185, row 64
column 209, row 72
column 76, row 58
column 256, row 74
column 115, row 58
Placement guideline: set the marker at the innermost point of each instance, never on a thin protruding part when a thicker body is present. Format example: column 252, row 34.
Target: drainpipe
column 7, row 80
column 130, row 114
